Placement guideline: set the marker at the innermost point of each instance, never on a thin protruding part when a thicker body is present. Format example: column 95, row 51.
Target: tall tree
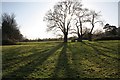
column 93, row 19
column 81, row 18
column 10, row 30
column 61, row 16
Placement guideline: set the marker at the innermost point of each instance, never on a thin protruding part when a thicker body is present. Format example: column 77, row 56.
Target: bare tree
column 61, row 16
column 10, row 29
column 81, row 18
column 94, row 19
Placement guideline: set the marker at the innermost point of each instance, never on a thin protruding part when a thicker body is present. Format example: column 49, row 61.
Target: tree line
column 70, row 16
column 10, row 30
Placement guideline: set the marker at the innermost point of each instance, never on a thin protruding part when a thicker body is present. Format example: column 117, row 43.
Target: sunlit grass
column 98, row 59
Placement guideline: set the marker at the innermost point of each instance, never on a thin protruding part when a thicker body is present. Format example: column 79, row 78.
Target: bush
column 8, row 42
column 72, row 40
column 108, row 38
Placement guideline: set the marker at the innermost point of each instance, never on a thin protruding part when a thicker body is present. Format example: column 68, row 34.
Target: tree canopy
column 10, row 30
column 65, row 13
column 61, row 16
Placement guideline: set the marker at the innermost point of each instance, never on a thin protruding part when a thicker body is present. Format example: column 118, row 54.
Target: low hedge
column 8, row 42
column 108, row 38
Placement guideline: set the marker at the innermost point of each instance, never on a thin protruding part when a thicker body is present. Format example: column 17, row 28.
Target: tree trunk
column 79, row 38
column 90, row 34
column 65, row 36
column 90, row 37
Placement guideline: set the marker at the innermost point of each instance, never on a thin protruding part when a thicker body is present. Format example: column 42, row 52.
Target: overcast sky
column 30, row 13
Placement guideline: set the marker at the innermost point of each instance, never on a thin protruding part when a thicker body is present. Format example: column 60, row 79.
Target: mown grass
column 98, row 59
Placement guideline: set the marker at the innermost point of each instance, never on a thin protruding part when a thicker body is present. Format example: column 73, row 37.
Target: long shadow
column 27, row 69
column 98, row 51
column 63, row 64
column 103, row 46
column 74, row 50
column 13, row 54
column 16, row 61
column 8, row 56
column 10, row 52
column 9, row 61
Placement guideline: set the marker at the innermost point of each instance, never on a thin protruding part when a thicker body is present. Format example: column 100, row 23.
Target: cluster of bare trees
column 10, row 30
column 69, row 15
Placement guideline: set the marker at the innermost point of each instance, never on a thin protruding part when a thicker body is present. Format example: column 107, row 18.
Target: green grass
column 98, row 59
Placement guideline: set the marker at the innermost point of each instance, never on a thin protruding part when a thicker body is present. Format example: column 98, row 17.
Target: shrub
column 8, row 42
column 107, row 38
column 72, row 40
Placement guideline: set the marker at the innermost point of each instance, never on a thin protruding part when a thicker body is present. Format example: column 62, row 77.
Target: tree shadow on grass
column 62, row 69
column 13, row 56
column 18, row 60
column 81, row 73
column 98, row 51
column 27, row 69
column 77, row 60
column 101, row 45
column 6, row 55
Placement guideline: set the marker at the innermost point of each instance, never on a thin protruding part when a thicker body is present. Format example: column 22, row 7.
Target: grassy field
column 98, row 59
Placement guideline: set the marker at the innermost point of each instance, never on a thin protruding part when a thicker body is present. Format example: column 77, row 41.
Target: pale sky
column 30, row 13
